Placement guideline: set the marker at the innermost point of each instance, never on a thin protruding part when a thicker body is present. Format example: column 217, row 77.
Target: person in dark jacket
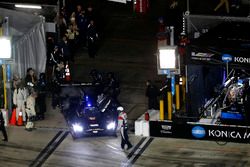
column 92, row 38
column 113, row 86
column 152, row 93
column 41, row 99
column 2, row 127
column 31, row 79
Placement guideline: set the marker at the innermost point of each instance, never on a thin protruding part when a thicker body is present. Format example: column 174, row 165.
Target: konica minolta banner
column 230, row 133
column 220, row 132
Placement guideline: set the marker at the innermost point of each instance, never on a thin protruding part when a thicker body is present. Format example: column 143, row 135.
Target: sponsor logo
column 201, row 56
column 198, row 132
column 228, row 134
column 166, row 129
column 242, row 59
column 227, row 58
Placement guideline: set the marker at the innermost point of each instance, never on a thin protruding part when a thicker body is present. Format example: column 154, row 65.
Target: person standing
column 65, row 49
column 30, row 110
column 2, row 127
column 41, row 98
column 31, row 80
column 82, row 25
column 123, row 127
column 113, row 86
column 92, row 37
column 19, row 99
column 152, row 93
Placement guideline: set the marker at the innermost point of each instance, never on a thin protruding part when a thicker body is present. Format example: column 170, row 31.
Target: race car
column 88, row 113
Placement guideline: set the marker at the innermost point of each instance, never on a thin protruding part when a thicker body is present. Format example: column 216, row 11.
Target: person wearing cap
column 123, row 127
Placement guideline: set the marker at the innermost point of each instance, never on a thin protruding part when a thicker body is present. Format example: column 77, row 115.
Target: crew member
column 152, row 93
column 123, row 127
column 30, row 110
column 41, row 98
column 92, row 37
column 2, row 127
column 113, row 86
column 19, row 99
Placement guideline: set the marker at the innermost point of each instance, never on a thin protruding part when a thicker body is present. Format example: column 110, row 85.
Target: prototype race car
column 87, row 112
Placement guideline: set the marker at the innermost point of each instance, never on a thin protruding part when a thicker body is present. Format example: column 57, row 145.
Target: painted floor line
column 137, row 151
column 49, row 149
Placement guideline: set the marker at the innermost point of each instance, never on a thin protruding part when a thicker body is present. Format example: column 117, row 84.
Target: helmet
column 120, row 108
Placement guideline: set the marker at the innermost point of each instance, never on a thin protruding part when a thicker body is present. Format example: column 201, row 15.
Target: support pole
column 177, row 96
column 183, row 87
column 161, row 110
column 4, row 86
column 170, row 108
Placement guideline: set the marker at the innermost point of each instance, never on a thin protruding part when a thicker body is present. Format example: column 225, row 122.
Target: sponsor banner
column 220, row 132
column 193, row 130
column 226, row 58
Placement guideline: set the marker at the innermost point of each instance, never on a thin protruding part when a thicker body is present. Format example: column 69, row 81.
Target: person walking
column 123, row 127
column 2, row 127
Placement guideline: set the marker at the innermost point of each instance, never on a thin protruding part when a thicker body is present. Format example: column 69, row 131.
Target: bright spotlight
column 5, row 47
column 167, row 58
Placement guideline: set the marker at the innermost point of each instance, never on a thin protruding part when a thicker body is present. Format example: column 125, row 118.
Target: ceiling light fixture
column 28, row 6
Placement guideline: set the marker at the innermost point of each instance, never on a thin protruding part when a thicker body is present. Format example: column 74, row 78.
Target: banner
column 199, row 131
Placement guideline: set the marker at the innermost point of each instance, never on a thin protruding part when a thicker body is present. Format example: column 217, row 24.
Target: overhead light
column 167, row 58
column 28, row 6
column 5, row 47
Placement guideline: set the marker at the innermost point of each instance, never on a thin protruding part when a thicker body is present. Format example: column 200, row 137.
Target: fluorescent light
column 28, row 6
column 5, row 47
column 167, row 58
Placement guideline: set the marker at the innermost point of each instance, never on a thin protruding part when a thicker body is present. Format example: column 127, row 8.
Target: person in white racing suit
column 30, row 110
column 123, row 127
column 20, row 95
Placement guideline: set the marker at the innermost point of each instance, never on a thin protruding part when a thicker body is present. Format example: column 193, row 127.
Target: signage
column 201, row 56
column 231, row 133
column 227, row 58
column 245, row 60
column 198, row 132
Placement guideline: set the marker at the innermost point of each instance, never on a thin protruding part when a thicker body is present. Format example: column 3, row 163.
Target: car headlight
column 77, row 127
column 111, row 126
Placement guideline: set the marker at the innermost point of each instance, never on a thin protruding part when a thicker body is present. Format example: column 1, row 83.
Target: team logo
column 227, row 58
column 198, row 132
